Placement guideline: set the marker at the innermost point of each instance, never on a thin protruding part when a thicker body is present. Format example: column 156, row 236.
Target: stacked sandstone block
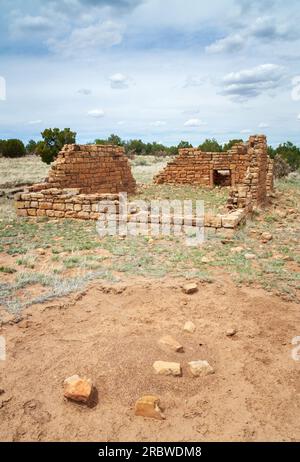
column 80, row 178
column 63, row 203
column 193, row 166
column 258, row 181
column 93, row 169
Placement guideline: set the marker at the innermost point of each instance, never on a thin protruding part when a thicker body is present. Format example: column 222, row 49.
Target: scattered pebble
column 200, row 367
column 40, row 251
column 230, row 332
column 237, row 249
column 167, row 368
column 189, row 327
column 77, row 388
column 190, row 288
column 171, row 343
column 149, row 406
column 250, row 256
column 265, row 237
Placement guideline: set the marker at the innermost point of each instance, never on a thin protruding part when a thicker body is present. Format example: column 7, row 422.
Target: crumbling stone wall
column 92, row 169
column 192, row 166
column 258, row 181
column 250, row 168
column 79, row 178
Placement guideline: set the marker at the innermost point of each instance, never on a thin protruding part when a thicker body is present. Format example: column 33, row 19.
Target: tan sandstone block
column 77, row 388
column 167, row 368
column 149, row 406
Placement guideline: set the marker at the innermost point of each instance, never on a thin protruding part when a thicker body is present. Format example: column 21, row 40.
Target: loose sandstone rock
column 77, row 388
column 230, row 332
column 200, row 367
column 149, row 406
column 206, row 259
column 237, row 249
column 171, row 343
column 250, row 256
column 167, row 368
column 189, row 327
column 41, row 251
column 190, row 288
column 265, row 237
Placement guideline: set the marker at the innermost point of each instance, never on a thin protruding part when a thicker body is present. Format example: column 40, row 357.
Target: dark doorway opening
column 222, row 177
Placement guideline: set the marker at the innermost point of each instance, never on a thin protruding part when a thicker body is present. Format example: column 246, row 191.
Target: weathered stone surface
column 231, row 332
column 250, row 256
column 190, row 288
column 77, row 388
column 189, row 327
column 170, row 343
column 167, row 368
column 149, row 406
column 265, row 237
column 200, row 368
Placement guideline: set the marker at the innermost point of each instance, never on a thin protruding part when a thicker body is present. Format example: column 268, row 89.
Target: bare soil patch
column 110, row 333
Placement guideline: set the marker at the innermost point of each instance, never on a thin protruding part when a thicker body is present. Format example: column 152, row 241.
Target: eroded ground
column 110, row 332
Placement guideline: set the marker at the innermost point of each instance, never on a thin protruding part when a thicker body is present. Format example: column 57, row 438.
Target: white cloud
column 298, row 117
column 88, row 39
column 96, row 113
column 249, row 83
column 84, row 91
column 119, row 81
column 35, row 122
column 228, row 44
column 263, row 125
column 158, row 123
column 30, row 23
column 266, row 27
column 194, row 123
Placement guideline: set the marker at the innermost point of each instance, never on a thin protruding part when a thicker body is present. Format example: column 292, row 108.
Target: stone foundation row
column 69, row 203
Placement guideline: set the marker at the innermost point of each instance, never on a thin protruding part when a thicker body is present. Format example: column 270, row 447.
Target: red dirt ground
column 110, row 334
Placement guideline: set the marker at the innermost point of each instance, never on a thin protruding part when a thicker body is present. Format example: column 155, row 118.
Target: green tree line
column 53, row 139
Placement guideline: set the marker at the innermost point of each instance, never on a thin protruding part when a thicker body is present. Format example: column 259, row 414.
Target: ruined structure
column 78, row 179
column 245, row 164
column 84, row 179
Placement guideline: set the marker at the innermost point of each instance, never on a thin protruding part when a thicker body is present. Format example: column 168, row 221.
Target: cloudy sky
column 161, row 70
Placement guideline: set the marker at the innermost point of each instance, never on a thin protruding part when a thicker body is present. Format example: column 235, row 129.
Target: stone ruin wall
column 257, row 184
column 251, row 169
column 92, row 169
column 84, row 177
column 192, row 166
column 79, row 178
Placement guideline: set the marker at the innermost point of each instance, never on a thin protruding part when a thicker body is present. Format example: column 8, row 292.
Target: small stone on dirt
column 237, row 249
column 77, row 388
column 265, row 237
column 190, row 288
column 189, row 327
column 149, row 406
column 41, row 251
column 171, row 343
column 230, row 332
column 205, row 260
column 200, row 367
column 167, row 368
column 250, row 256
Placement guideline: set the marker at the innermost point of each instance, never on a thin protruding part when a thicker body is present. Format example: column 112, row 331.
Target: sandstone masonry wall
column 92, row 168
column 193, row 166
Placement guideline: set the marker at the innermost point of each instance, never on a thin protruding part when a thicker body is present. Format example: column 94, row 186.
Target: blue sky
column 161, row 70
